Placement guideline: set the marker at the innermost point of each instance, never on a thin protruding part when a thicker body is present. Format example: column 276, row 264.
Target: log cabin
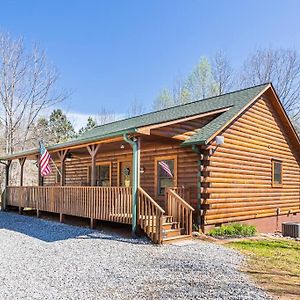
column 229, row 158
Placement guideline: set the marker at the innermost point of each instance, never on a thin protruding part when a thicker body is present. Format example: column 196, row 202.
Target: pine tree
column 91, row 123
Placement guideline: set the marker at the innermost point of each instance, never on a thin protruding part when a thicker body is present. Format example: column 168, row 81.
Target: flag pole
column 57, row 169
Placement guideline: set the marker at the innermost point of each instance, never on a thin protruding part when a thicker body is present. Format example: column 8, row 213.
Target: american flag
column 165, row 168
column 44, row 161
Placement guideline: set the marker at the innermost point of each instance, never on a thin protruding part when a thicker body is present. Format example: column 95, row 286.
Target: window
column 276, row 172
column 166, row 174
column 102, row 174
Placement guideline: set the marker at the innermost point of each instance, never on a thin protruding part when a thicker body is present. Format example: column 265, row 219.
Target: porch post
column 93, row 149
column 4, row 197
column 62, row 157
column 22, row 162
column 135, row 144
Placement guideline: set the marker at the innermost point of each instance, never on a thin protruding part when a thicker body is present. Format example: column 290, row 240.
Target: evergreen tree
column 91, row 123
column 60, row 128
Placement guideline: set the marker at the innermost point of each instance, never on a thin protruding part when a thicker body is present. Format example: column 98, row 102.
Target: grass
column 233, row 230
column 275, row 264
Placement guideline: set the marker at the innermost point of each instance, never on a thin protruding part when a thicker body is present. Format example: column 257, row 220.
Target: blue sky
column 110, row 52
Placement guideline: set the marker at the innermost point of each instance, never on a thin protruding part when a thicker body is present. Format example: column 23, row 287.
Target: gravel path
column 47, row 260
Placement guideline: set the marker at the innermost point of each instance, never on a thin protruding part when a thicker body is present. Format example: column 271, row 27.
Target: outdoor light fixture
column 122, row 146
column 142, row 170
column 219, row 140
column 69, row 156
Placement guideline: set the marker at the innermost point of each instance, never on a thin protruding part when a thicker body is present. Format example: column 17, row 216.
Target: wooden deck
column 112, row 204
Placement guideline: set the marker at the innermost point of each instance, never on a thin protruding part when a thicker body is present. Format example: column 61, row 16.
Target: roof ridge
column 181, row 105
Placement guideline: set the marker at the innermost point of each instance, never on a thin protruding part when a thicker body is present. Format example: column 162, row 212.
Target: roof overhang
column 75, row 144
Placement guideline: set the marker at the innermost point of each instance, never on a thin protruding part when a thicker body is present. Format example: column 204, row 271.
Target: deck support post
column 62, row 157
column 198, row 210
column 92, row 223
column 22, row 162
column 93, row 149
column 61, row 218
column 4, row 196
column 135, row 144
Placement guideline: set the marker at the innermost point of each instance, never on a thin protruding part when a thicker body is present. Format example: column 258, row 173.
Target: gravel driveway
column 47, row 260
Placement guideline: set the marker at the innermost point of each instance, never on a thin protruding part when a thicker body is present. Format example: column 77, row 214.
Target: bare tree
column 136, row 108
column 105, row 116
column 222, row 72
column 27, row 87
column 282, row 68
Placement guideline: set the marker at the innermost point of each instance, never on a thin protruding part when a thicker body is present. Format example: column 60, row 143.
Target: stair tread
column 172, row 229
column 169, row 223
column 177, row 237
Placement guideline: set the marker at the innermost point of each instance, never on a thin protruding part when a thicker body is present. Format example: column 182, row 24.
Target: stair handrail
column 180, row 199
column 150, row 216
column 180, row 210
column 151, row 200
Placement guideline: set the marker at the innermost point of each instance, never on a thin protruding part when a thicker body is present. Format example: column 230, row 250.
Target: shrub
column 233, row 230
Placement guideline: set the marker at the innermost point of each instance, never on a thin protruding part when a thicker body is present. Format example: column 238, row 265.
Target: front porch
column 112, row 204
column 116, row 179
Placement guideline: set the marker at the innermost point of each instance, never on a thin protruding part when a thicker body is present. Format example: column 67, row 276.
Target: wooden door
column 125, row 173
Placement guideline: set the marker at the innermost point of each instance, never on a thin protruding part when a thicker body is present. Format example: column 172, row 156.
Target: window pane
column 165, row 175
column 104, row 179
column 277, row 172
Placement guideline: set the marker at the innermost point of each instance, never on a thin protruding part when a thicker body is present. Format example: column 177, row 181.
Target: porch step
column 170, row 225
column 171, row 232
column 173, row 239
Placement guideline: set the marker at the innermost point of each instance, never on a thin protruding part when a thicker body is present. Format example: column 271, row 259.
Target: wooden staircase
column 164, row 228
column 172, row 231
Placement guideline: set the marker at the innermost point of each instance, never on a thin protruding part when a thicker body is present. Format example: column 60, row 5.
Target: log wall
column 238, row 181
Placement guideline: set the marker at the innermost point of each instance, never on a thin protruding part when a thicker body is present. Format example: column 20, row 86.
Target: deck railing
column 150, row 216
column 101, row 203
column 181, row 211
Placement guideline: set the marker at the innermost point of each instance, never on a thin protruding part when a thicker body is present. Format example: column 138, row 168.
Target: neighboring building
column 233, row 158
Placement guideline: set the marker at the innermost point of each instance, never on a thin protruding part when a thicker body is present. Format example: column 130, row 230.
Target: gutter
column 135, row 178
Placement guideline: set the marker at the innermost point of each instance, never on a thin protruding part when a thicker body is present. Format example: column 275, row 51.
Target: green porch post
column 135, row 179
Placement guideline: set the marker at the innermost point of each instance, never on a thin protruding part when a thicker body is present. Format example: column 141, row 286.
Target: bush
column 233, row 230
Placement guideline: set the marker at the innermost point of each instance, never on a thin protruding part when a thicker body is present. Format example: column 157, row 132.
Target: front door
column 125, row 173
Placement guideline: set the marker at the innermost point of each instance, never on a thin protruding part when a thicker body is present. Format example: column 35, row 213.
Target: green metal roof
column 235, row 101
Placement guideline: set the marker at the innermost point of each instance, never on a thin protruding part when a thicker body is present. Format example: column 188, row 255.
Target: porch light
column 142, row 170
column 69, row 156
column 122, row 146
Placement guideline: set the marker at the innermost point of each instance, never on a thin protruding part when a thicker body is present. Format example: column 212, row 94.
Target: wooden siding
column 238, row 176
column 77, row 168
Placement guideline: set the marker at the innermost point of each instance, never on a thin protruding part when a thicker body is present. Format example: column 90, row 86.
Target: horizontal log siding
column 77, row 168
column 238, row 184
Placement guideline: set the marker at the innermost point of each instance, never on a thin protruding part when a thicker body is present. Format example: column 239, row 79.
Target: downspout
column 135, row 161
column 198, row 210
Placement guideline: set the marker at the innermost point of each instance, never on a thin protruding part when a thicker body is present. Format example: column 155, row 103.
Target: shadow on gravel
column 49, row 231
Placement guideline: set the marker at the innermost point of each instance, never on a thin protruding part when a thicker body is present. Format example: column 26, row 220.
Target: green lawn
column 274, row 263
